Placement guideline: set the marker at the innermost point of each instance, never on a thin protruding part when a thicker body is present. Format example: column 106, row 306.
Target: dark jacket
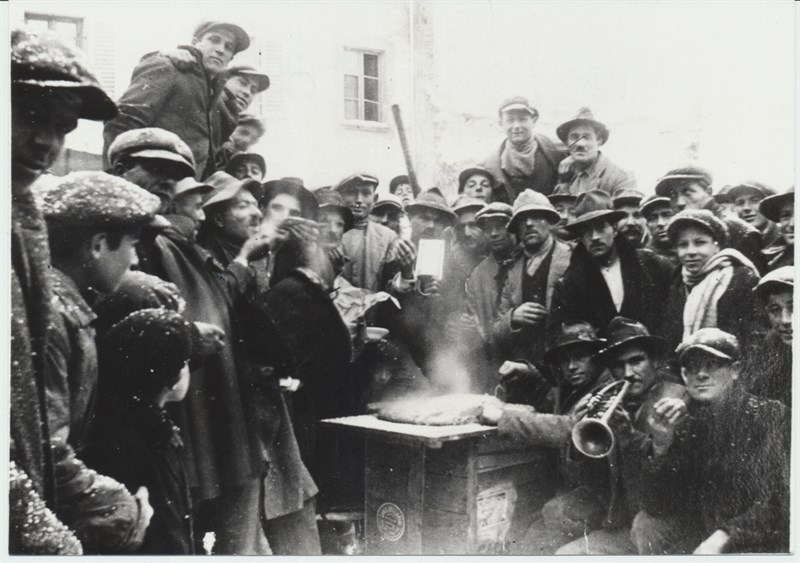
column 767, row 370
column 184, row 102
column 545, row 177
column 741, row 236
column 584, row 295
column 727, row 469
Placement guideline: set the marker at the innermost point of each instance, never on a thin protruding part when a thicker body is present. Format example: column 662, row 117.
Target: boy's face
column 245, row 136
column 780, row 307
column 359, row 197
column 708, row 379
column 109, row 266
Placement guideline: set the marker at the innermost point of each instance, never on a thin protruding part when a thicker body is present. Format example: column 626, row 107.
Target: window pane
column 37, row 24
column 371, row 89
column 68, row 31
column 350, row 86
column 372, row 111
column 371, row 65
column 352, row 62
column 350, row 109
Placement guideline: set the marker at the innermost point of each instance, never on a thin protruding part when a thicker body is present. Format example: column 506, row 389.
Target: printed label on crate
column 495, row 506
column 391, row 521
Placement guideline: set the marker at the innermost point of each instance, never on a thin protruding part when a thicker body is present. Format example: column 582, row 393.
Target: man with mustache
column 526, row 298
column 633, row 226
column 184, row 102
column 607, row 277
column 657, row 214
column 589, row 168
column 780, row 209
column 564, row 203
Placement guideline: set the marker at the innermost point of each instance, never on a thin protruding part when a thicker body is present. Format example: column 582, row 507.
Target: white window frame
column 53, row 18
column 361, row 122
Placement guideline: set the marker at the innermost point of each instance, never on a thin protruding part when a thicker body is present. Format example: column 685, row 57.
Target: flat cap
column 242, row 39
column 246, row 156
column 699, row 218
column 653, row 202
column 712, row 341
column 388, row 200
column 517, row 103
column 250, row 72
column 152, row 142
column 468, row 173
column 42, row 59
column 494, row 210
column 626, row 197
column 97, row 198
column 750, row 187
column 777, row 279
column 676, row 176
column 359, row 178
column 397, row 180
column 328, row 198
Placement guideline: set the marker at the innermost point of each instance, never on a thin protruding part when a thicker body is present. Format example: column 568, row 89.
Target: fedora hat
column 530, row 201
column 590, row 206
column 432, row 199
column 569, row 334
column 584, row 117
column 623, row 332
column 770, row 207
column 226, row 187
column 388, row 200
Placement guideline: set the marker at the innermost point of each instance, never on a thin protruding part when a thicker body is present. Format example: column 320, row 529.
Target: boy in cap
column 780, row 209
column 245, row 165
column 717, row 480
column 51, row 88
column 401, row 187
column 184, row 102
column 388, row 211
column 657, row 214
column 93, row 220
column 476, row 182
column 144, row 364
column 745, row 198
column 249, row 130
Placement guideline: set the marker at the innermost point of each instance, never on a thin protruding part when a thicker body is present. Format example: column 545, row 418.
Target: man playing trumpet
column 602, row 495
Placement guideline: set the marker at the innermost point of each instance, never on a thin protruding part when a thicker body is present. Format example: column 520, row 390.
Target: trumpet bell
column 593, row 438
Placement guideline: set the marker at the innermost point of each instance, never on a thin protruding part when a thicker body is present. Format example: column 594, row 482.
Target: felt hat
column 692, row 173
column 189, row 184
column 262, row 80
column 246, row 156
column 770, row 207
column 432, row 199
column 463, row 204
column 226, row 187
column 624, row 332
column 152, row 142
column 517, row 103
column 528, row 202
column 711, row 341
column 591, row 206
column 293, row 187
column 242, row 39
column 569, row 334
column 584, row 117
column 472, row 171
column 700, row 218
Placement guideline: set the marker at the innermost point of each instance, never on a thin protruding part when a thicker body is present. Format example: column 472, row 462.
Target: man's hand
column 429, row 285
column 257, row 246
column 181, row 59
column 143, row 500
column 667, row 413
column 338, row 259
column 713, row 544
column 511, row 372
column 406, row 256
column 529, row 314
column 212, row 337
column 304, row 230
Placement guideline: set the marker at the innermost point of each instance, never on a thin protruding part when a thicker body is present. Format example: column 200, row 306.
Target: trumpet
column 592, row 436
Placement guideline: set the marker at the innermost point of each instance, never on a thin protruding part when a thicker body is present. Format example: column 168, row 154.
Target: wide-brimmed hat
column 561, row 193
column 652, row 202
column 432, row 199
column 528, row 202
column 245, row 156
column 242, row 39
column 584, row 117
column 155, row 143
column 624, row 332
column 464, row 204
column 777, row 279
column 294, row 187
column 262, row 80
column 750, row 187
column 189, row 184
column 692, row 173
column 517, row 103
column 388, row 200
column 712, row 341
column 623, row 197
column 699, row 218
column 569, row 334
column 770, row 207
column 591, row 206
column 494, row 210
column 43, row 60
column 329, row 198
column 226, row 187
column 472, row 171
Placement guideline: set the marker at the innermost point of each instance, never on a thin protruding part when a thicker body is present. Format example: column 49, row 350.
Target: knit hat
column 711, row 341
column 246, row 156
column 590, row 206
column 653, row 202
column 250, row 72
column 432, row 199
column 529, row 202
column 770, row 207
column 472, row 171
column 494, row 210
column 699, row 218
column 43, row 60
column 569, row 334
column 242, row 39
column 584, row 117
column 624, row 332
column 692, row 173
column 152, row 142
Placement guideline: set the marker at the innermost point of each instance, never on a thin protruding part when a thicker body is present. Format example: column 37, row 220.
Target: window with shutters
column 69, row 29
column 362, row 85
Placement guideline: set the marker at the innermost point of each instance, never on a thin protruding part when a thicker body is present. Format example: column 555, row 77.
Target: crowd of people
column 179, row 326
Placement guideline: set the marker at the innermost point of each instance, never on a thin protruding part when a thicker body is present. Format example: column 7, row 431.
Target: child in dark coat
column 143, row 364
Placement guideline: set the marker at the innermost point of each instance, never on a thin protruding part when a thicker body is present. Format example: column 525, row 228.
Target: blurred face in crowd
column 746, row 207
column 780, row 308
column 332, row 224
column 635, row 364
column 241, row 218
column 695, row 246
column 245, row 136
column 244, row 88
column 598, row 239
column 575, row 364
column 39, row 123
column 217, row 48
column 495, row 229
column 690, row 195
column 154, row 175
column 248, row 169
column 388, row 216
column 478, row 186
column 583, row 145
column 110, row 263
column 405, row 192
column 633, row 225
column 533, row 230
column 518, row 125
column 190, row 205
column 786, row 221
column 566, row 210
column 359, row 197
column 657, row 220
column 467, row 232
column 282, row 206
column 708, row 378
column 426, row 223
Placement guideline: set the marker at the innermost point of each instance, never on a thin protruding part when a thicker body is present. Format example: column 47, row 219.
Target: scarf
column 222, row 248
column 707, row 286
column 518, row 163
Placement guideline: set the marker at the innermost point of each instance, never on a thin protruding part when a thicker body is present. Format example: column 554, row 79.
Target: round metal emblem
column 391, row 521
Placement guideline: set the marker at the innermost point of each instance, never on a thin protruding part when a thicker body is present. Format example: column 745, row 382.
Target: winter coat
column 369, row 252
column 603, row 174
column 741, row 236
column 727, row 469
column 549, row 155
column 181, row 101
column 767, row 370
column 584, row 295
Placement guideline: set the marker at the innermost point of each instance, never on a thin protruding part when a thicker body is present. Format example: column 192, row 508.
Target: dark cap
column 242, row 39
column 711, row 341
column 584, row 117
column 677, row 176
column 569, row 334
column 432, row 199
column 517, row 103
column 770, row 207
column 155, row 143
column 226, row 187
column 241, row 157
column 97, row 198
column 189, row 184
column 702, row 218
column 388, row 200
column 623, row 197
column 529, row 202
column 750, row 187
column 591, row 206
column 293, row 187
column 494, row 210
column 779, row 279
column 328, row 198
column 472, row 171
column 43, row 60
column 623, row 332
column 397, row 180
column 652, row 203
column 250, row 72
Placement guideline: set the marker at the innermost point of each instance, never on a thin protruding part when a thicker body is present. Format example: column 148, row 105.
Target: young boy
column 143, row 366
